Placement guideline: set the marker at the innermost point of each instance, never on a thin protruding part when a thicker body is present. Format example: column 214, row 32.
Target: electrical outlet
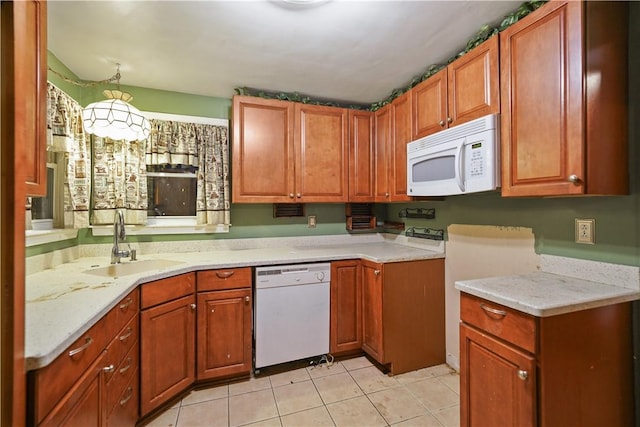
column 311, row 221
column 586, row 231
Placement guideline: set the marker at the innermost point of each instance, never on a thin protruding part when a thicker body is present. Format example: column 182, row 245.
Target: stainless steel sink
column 133, row 267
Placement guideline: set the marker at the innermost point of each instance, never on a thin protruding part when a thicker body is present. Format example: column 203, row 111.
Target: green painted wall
column 552, row 219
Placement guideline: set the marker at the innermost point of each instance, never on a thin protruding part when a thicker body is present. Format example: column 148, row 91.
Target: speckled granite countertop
column 63, row 302
column 547, row 294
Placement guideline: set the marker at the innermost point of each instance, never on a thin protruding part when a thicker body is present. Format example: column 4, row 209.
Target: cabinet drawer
column 121, row 376
column 125, row 411
column 121, row 344
column 161, row 291
column 122, row 313
column 231, row 278
column 503, row 322
column 54, row 380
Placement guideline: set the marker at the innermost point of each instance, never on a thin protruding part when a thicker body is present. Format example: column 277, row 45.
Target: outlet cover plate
column 586, row 231
column 311, row 221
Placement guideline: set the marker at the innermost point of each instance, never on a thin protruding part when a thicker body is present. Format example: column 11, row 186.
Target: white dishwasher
column 291, row 312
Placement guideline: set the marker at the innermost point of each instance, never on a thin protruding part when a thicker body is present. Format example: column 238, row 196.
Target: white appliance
column 461, row 159
column 291, row 313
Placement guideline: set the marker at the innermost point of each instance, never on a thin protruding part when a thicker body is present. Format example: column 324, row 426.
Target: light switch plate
column 586, row 231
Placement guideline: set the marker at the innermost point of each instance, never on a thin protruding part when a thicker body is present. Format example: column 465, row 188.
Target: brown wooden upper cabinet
column 285, row 152
column 564, row 90
column 27, row 67
column 466, row 89
column 392, row 134
column 361, row 156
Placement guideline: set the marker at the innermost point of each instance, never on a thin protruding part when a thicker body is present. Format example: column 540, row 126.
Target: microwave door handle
column 460, row 166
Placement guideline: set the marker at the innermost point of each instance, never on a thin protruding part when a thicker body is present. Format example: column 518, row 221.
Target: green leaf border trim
column 484, row 34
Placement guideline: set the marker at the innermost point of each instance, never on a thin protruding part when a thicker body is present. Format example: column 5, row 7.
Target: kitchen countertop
column 64, row 301
column 547, row 294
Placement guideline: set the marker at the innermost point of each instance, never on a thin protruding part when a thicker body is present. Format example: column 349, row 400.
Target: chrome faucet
column 119, row 234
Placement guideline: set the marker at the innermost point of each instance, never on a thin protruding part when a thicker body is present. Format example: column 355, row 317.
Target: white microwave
column 459, row 160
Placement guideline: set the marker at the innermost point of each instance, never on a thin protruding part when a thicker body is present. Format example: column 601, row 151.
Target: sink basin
column 133, row 267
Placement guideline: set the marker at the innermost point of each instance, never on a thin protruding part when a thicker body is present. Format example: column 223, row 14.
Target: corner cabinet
column 568, row 369
column 224, row 346
column 403, row 313
column 285, row 152
column 465, row 90
column 167, row 339
column 564, row 92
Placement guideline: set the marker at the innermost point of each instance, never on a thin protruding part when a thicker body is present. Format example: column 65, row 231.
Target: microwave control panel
column 475, row 160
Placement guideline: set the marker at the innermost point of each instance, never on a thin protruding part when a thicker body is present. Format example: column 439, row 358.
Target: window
column 171, row 193
column 43, row 208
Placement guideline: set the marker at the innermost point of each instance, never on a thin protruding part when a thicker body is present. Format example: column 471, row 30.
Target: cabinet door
column 346, row 306
column 429, row 100
column 372, row 338
column 83, row 405
column 224, row 333
column 382, row 119
column 472, row 88
column 322, row 154
column 29, row 100
column 541, row 88
column 497, row 382
column 263, row 160
column 402, row 133
column 361, row 157
column 167, row 351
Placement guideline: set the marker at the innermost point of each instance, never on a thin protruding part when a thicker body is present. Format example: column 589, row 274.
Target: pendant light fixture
column 114, row 117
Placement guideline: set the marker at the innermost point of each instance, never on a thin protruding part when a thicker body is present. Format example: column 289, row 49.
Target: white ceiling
column 353, row 51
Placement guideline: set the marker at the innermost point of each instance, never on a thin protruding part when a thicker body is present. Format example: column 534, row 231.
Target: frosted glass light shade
column 115, row 119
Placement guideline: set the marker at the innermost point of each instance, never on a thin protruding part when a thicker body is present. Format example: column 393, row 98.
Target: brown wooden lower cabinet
column 224, row 333
column 403, row 313
column 346, row 307
column 81, row 386
column 167, row 340
column 572, row 369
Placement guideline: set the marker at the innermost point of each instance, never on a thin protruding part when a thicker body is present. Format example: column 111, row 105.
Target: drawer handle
column 126, row 304
column 109, row 369
column 126, row 368
column 523, row 375
column 224, row 274
column 87, row 342
column 127, row 335
column 493, row 310
column 128, row 397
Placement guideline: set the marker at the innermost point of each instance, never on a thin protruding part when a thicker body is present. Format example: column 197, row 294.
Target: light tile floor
column 348, row 393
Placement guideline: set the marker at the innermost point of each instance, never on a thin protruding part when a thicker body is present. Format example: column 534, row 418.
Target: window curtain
column 205, row 147
column 119, row 180
column 68, row 147
column 172, row 143
column 213, row 196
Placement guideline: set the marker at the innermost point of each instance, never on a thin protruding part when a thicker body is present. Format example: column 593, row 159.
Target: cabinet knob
column 386, row 194
column 298, row 195
column 376, row 272
column 441, row 122
column 573, row 179
column 247, row 299
column 291, row 195
column 523, row 375
column 449, row 120
column 193, row 306
column 109, row 369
